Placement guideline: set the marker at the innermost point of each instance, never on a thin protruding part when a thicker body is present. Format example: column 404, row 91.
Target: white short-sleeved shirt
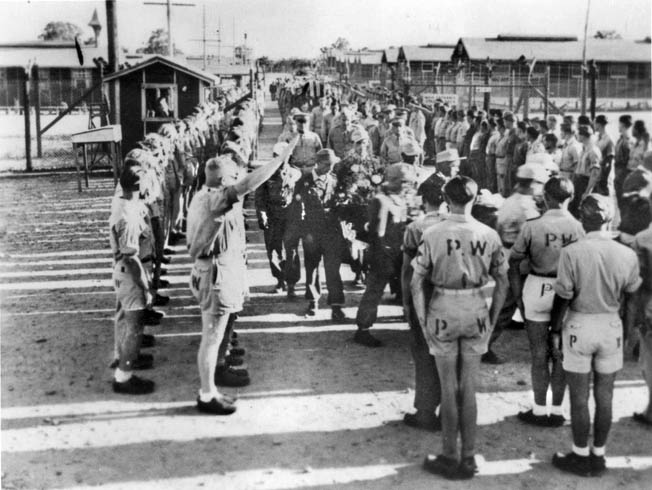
column 541, row 240
column 594, row 272
column 460, row 253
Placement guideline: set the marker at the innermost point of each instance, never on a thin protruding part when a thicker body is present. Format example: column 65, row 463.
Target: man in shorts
column 458, row 256
column 216, row 243
column 127, row 225
column 593, row 275
column 427, row 393
column 539, row 243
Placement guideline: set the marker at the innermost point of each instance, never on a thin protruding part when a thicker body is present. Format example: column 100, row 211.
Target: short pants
column 538, row 296
column 219, row 285
column 457, row 322
column 129, row 294
column 592, row 342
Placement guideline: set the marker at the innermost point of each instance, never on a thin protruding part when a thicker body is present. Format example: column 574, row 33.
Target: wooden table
column 110, row 135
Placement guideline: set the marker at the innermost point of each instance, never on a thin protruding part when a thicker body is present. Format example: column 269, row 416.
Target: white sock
column 556, row 410
column 581, row 451
column 598, row 451
column 207, row 397
column 539, row 410
column 122, row 376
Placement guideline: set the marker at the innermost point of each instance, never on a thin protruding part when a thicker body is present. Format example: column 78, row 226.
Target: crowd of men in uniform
column 449, row 208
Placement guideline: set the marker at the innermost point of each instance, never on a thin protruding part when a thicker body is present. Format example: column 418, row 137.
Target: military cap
column 602, row 120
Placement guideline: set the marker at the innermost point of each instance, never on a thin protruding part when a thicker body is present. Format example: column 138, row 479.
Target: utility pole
column 168, row 6
column 114, row 60
column 204, row 41
column 584, row 67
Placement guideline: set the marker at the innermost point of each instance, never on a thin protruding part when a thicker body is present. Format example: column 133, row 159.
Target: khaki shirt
column 460, row 253
column 542, row 239
column 390, row 150
column 205, row 218
column 594, row 272
column 590, row 158
column 414, row 232
column 307, row 147
column 570, row 155
column 127, row 224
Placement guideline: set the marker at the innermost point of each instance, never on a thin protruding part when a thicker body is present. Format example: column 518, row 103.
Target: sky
column 286, row 28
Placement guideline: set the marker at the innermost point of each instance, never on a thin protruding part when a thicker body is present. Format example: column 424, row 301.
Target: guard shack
column 156, row 91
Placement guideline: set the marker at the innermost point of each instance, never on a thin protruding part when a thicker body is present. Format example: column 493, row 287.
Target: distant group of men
column 449, row 208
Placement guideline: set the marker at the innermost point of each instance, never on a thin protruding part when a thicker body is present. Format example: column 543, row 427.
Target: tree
column 60, row 31
column 157, row 43
column 610, row 34
column 342, row 44
column 264, row 62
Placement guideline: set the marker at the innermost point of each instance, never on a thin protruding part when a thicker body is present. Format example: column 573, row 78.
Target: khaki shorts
column 218, row 285
column 592, row 342
column 457, row 322
column 538, row 296
column 129, row 294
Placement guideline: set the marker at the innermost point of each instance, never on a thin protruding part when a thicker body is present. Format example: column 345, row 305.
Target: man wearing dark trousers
column 387, row 221
column 310, row 220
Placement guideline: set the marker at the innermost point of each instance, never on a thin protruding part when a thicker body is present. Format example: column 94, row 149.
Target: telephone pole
column 168, row 6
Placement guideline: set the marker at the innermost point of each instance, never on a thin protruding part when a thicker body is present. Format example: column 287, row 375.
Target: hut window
column 159, row 102
column 427, row 67
column 618, row 70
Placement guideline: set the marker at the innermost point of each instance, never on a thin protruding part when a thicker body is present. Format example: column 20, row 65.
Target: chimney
column 97, row 27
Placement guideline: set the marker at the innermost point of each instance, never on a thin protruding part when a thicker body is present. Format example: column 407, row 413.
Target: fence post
column 37, row 111
column 546, row 93
column 28, row 137
column 511, row 90
column 470, row 93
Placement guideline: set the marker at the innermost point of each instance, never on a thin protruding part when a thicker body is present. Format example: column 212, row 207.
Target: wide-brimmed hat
column 326, row 156
column 410, row 147
column 450, row 155
column 533, row 171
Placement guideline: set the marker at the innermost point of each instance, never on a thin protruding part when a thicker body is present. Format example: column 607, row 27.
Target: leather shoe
column 337, row 315
column 227, row 376
column 160, row 300
column 432, row 424
column 215, row 407
column 147, row 341
column 134, row 386
column 363, row 337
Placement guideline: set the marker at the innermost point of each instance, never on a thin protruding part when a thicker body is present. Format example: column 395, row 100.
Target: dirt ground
column 321, row 412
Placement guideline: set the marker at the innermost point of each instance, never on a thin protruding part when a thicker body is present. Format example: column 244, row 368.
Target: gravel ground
column 321, row 412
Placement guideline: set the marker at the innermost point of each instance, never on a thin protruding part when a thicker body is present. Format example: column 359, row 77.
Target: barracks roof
column 370, row 57
column 561, row 49
column 390, row 55
column 432, row 52
column 48, row 54
column 172, row 63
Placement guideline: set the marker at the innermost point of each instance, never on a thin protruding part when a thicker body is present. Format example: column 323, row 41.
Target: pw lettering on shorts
column 117, row 283
column 545, row 287
column 195, row 281
column 573, row 340
column 440, row 324
column 482, row 325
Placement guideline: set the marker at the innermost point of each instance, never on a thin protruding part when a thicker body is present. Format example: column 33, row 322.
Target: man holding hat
column 309, row 143
column 216, row 243
column 458, row 257
column 311, row 219
column 585, row 313
column 387, row 220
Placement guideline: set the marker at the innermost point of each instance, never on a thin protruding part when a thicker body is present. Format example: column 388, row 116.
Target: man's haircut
column 461, row 190
column 559, row 189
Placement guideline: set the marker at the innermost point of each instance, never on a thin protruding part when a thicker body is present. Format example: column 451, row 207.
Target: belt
column 552, row 275
column 457, row 292
column 204, row 257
